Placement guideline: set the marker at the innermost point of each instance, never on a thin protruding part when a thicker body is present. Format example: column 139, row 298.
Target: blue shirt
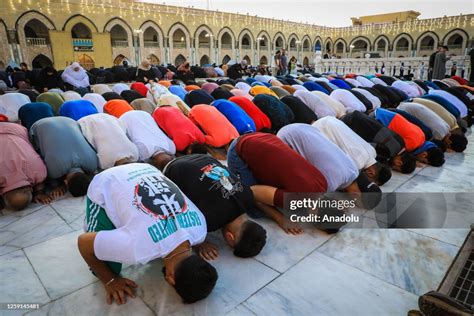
column 313, row 86
column 236, row 116
column 77, row 109
column 178, row 90
column 451, row 108
column 341, row 84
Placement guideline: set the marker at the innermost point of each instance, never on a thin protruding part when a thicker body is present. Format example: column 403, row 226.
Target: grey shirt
column 62, row 146
column 437, row 125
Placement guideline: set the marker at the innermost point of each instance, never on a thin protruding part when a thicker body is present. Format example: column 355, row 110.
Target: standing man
column 439, row 68
column 431, row 63
column 223, row 200
column 276, row 63
column 134, row 215
column 283, row 63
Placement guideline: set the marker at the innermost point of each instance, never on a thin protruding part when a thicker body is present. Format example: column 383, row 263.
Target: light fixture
column 138, row 31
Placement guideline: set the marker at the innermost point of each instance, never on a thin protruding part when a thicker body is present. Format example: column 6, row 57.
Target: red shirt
column 261, row 119
column 178, row 127
column 217, row 128
column 274, row 163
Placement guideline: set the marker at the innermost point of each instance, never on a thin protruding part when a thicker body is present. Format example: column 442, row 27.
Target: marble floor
column 362, row 270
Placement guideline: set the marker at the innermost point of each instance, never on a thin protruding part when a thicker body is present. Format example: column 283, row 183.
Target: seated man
column 151, row 142
column 108, row 137
column 338, row 168
column 439, row 127
column 413, row 137
column 388, row 145
column 361, row 152
column 218, row 131
column 77, row 109
column 22, row 171
column 271, row 168
column 186, row 136
column 134, row 215
column 68, row 156
column 223, row 200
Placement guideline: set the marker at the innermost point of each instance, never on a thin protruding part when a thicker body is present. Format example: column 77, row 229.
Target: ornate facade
column 103, row 33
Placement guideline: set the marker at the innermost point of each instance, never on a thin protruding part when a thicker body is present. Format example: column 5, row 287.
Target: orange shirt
column 217, row 129
column 191, row 87
column 117, row 107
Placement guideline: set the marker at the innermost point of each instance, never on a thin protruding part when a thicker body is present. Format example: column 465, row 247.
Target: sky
column 329, row 12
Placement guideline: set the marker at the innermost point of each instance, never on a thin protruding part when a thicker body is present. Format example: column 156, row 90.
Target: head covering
column 303, row 114
column 241, row 93
column 140, row 88
column 101, row 88
column 278, row 112
column 178, row 91
column 220, row 93
column 262, row 90
column 198, row 97
column 30, row 93
column 77, row 109
column 97, row 100
column 209, row 87
column 165, row 83
column 143, row 104
column 12, row 103
column 35, row 111
column 111, row 96
column 119, row 87
column 117, row 107
column 260, row 119
column 280, row 92
column 288, row 88
column 71, row 95
column 130, row 95
column 52, row 98
column 78, row 78
column 192, row 87
column 174, row 101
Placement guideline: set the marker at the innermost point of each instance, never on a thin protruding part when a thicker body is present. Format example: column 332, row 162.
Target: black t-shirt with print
column 218, row 194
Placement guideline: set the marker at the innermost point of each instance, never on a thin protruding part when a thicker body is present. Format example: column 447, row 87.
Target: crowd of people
column 166, row 159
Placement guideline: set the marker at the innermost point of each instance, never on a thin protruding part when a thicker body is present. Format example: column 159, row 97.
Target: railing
column 226, row 46
column 306, row 49
column 246, row 46
column 263, row 47
column 427, row 47
column 179, row 44
column 151, row 44
column 204, row 45
column 455, row 46
column 418, row 66
column 119, row 43
column 358, row 50
column 278, row 47
column 36, row 41
column 83, row 44
column 401, row 49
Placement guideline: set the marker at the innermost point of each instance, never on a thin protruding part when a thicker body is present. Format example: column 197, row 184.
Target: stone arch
column 328, row 44
column 305, row 61
column 33, row 14
column 277, row 36
column 248, row 33
column 421, row 41
column 340, row 46
column 463, row 35
column 263, row 60
column 306, row 43
column 153, row 59
column 407, row 37
column 148, row 25
column 360, row 39
column 379, row 39
column 179, row 60
column 79, row 18
column 226, row 59
column 247, row 59
column 220, row 38
column 293, row 41
column 41, row 61
column 315, row 42
column 267, row 37
column 187, row 36
column 204, row 60
column 86, row 61
column 204, row 41
column 119, row 59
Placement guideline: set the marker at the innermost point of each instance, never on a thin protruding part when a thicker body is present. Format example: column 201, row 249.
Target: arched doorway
column 179, row 39
column 226, row 41
column 150, row 38
column 179, row 60
column 153, row 59
column 36, row 33
column 305, row 61
column 263, row 60
column 118, row 36
column 80, row 30
column 86, row 61
column 246, row 42
column 41, row 61
column 247, row 59
column 226, row 59
column 204, row 60
column 119, row 59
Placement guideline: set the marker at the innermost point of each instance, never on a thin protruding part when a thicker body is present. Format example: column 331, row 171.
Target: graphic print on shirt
column 221, row 180
column 158, row 197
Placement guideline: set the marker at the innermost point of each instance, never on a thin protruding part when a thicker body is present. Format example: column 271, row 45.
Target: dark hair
column 408, row 163
column 458, row 142
column 383, row 173
column 78, row 184
column 441, row 145
column 198, row 148
column 194, row 279
column 435, row 157
column 251, row 241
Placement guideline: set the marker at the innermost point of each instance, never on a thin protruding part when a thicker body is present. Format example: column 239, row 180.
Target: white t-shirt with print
column 151, row 215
